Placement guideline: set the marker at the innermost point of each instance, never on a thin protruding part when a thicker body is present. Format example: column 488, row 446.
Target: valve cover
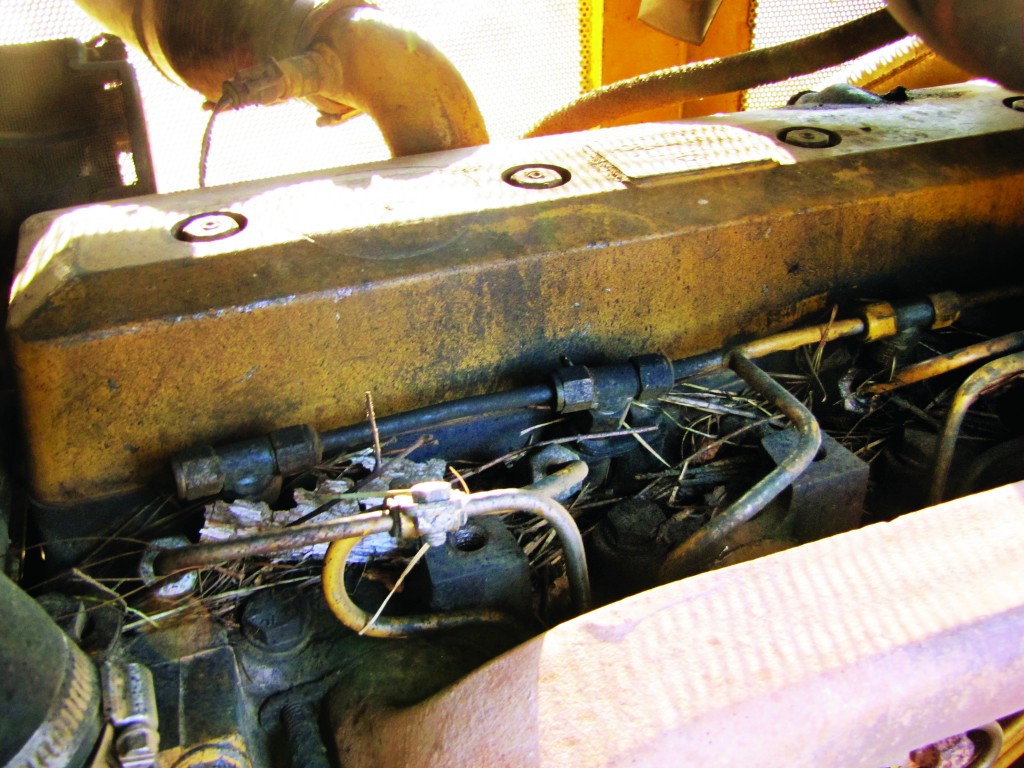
column 143, row 326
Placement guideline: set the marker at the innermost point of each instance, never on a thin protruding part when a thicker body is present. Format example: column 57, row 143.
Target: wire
column 204, row 151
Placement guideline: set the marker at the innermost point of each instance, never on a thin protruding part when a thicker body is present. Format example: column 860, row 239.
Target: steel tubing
column 269, row 542
column 950, row 361
column 701, row 549
column 541, row 505
column 846, row 652
column 984, row 379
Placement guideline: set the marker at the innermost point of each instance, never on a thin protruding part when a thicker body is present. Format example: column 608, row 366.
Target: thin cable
column 204, row 152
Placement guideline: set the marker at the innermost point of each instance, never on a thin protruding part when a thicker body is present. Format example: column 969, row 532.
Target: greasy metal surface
column 480, row 565
column 430, row 278
column 789, row 660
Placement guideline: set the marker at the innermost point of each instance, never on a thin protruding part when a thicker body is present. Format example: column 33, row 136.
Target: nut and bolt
column 536, row 176
column 435, row 511
column 204, row 227
column 430, row 491
column 275, row 621
column 809, row 138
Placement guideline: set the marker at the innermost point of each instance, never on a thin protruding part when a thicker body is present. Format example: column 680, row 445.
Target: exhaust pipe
column 340, row 56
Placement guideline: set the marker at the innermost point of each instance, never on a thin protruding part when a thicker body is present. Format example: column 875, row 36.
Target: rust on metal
column 429, row 278
column 732, row 670
column 951, row 361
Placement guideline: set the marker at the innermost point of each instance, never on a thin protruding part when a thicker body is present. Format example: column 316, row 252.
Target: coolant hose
column 725, row 75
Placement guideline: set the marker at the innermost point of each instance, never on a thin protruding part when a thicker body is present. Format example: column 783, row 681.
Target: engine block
column 141, row 327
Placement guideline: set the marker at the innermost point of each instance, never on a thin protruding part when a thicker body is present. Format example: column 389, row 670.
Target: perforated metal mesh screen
column 779, row 21
column 520, row 61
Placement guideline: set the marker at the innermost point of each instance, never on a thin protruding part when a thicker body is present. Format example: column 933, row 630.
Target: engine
column 647, row 444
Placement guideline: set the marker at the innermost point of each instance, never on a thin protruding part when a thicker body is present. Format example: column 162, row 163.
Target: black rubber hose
column 725, row 75
column 358, row 435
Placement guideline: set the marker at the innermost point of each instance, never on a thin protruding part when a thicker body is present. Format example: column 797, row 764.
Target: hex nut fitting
column 275, row 621
column 947, row 306
column 574, row 389
column 198, row 473
column 880, row 321
column 435, row 508
column 296, row 448
column 809, row 138
column 655, row 375
column 430, row 491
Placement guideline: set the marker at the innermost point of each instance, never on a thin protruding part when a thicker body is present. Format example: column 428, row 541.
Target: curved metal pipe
column 340, row 55
column 563, row 482
column 502, row 501
column 978, row 383
column 732, row 73
column 415, row 95
column 355, row 618
column 704, row 546
column 787, row 646
column 951, row 361
column 486, row 503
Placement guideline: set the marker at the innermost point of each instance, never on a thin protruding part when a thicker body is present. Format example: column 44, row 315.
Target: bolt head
column 204, row 227
column 808, row 138
column 1017, row 104
column 275, row 620
column 537, row 176
column 431, row 491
